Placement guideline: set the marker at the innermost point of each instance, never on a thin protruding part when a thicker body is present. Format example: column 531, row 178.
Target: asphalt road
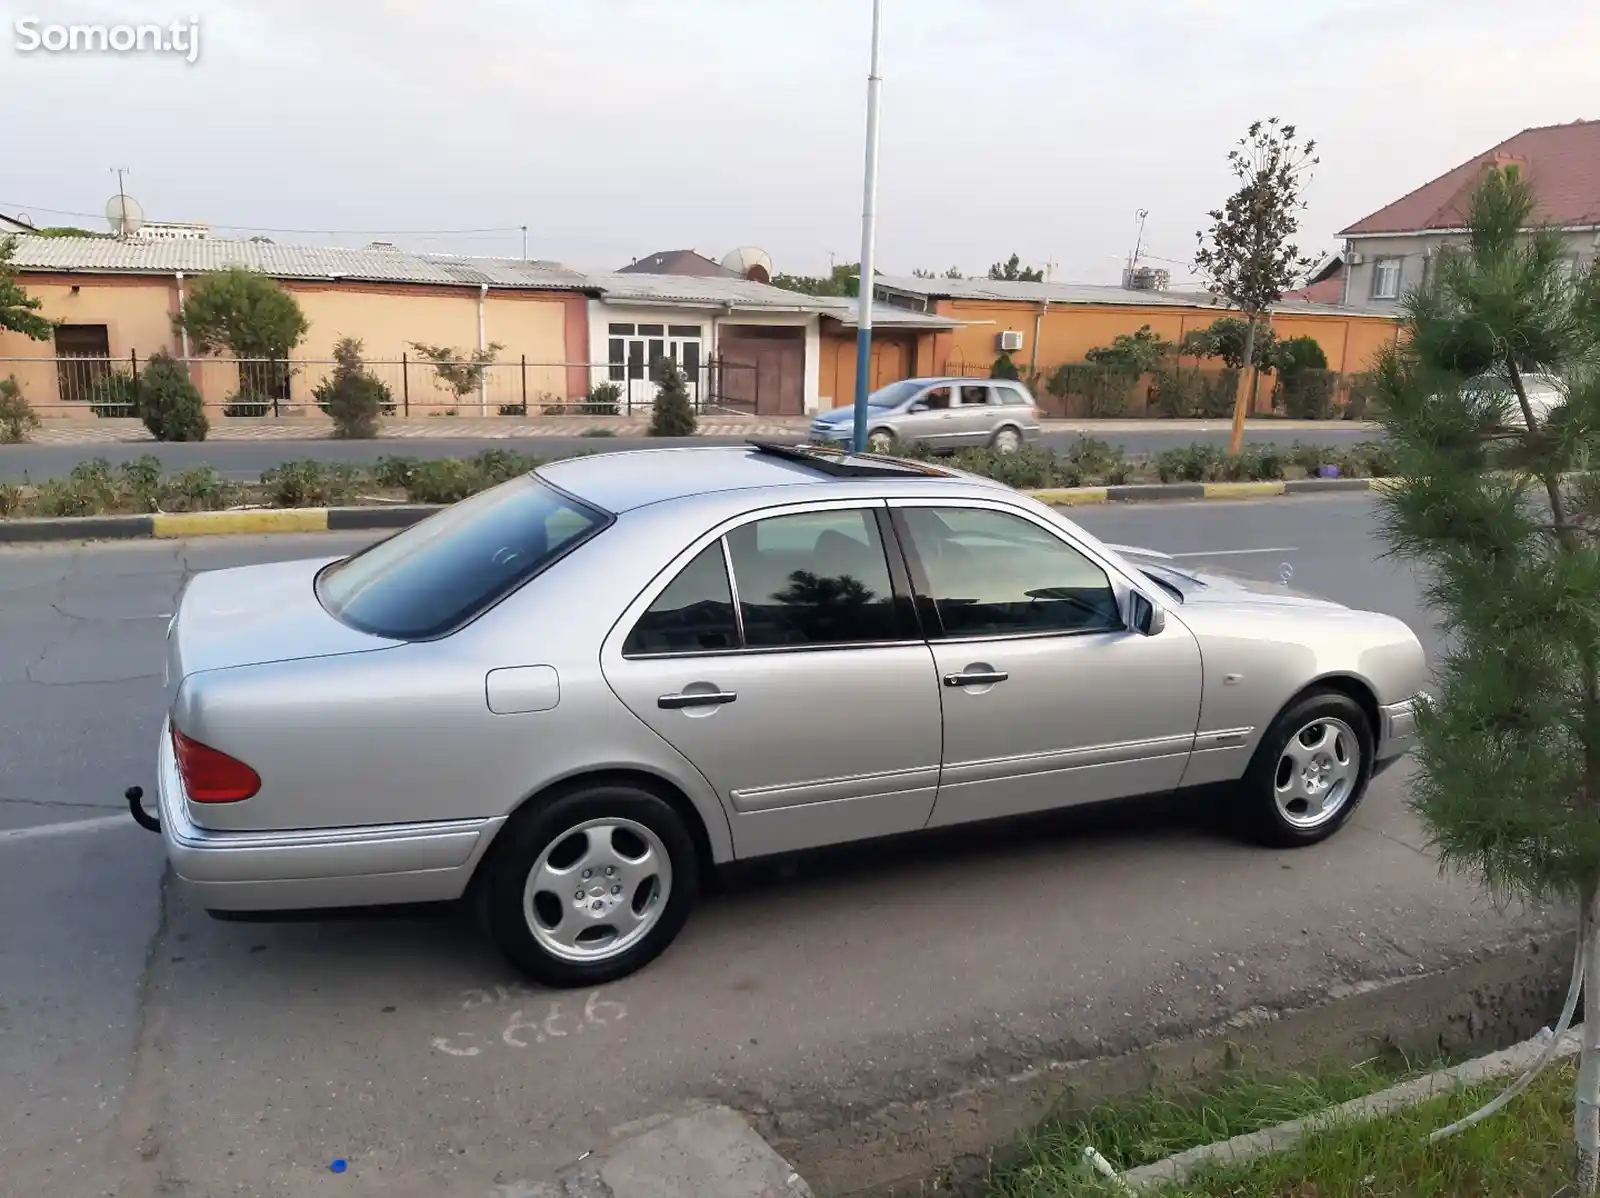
column 245, row 460
column 147, row 1050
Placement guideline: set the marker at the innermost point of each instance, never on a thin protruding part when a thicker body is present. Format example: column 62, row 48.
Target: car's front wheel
column 591, row 886
column 1309, row 773
column 880, row 440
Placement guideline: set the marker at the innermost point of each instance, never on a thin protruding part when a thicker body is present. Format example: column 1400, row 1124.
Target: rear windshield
column 433, row 577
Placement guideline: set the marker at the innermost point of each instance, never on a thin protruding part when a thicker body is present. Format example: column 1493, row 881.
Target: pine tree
column 672, row 415
column 351, row 396
column 169, row 403
column 1500, row 508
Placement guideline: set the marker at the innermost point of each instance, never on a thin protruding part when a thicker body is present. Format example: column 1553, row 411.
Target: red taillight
column 211, row 776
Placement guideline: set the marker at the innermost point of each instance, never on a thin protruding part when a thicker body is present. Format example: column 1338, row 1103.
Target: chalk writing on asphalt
column 530, row 1023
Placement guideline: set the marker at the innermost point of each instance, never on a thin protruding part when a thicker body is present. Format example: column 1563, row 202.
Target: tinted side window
column 1011, row 396
column 694, row 614
column 816, row 578
column 974, row 394
column 938, row 399
column 991, row 573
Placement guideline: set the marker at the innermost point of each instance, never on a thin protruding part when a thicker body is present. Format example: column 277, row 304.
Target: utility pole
column 1138, row 245
column 122, row 201
column 524, row 243
column 869, row 218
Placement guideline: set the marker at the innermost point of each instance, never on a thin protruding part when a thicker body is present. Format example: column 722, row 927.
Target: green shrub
column 672, row 415
column 115, row 393
column 169, row 404
column 1004, row 368
column 1297, row 355
column 1219, row 392
column 598, row 432
column 604, row 399
column 1191, row 464
column 443, row 480
column 351, row 396
column 139, row 481
column 1097, row 461
column 247, row 402
column 199, row 490
column 62, row 497
column 1306, row 395
column 1254, row 463
column 309, row 483
column 1105, row 389
column 1310, row 458
column 1026, row 468
column 1176, row 392
column 498, row 465
column 1369, row 459
column 1363, row 402
column 17, row 416
column 393, row 471
column 10, row 499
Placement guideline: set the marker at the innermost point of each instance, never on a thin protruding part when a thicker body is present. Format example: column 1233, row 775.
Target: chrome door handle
column 976, row 678
column 696, row 699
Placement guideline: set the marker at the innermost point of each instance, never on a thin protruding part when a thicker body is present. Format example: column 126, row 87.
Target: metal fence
column 251, row 388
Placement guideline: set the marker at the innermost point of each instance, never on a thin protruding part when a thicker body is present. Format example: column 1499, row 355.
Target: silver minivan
column 940, row 413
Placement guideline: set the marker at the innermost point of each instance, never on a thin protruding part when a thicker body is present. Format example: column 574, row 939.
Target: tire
column 1006, row 440
column 622, row 921
column 880, row 440
column 1297, row 793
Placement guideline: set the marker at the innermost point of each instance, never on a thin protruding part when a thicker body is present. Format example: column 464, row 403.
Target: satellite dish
column 749, row 262
column 124, row 215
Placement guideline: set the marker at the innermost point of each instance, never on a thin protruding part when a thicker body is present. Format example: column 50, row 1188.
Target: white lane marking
column 66, row 829
column 1236, row 552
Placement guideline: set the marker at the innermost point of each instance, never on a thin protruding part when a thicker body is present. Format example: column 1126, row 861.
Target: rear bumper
column 318, row 867
column 1397, row 727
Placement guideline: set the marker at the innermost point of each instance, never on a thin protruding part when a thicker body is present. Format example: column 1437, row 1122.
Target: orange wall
column 1068, row 331
column 895, row 356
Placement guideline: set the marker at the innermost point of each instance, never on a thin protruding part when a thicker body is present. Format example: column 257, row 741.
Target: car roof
column 619, row 482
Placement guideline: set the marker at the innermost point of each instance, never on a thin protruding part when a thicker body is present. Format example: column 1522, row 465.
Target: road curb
column 355, row 519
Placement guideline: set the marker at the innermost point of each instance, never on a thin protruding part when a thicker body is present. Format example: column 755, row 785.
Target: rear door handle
column 976, row 678
column 696, row 699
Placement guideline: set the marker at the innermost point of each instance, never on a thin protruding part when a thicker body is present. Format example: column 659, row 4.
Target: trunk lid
column 250, row 615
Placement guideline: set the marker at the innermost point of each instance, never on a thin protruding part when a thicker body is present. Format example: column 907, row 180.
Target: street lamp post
column 869, row 217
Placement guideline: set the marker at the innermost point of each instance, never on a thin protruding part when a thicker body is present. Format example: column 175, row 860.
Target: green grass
column 1523, row 1152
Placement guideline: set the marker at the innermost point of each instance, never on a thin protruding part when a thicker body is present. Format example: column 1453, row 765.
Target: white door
column 634, row 349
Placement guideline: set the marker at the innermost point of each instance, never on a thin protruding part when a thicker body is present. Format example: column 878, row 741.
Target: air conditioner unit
column 1354, row 258
column 1010, row 340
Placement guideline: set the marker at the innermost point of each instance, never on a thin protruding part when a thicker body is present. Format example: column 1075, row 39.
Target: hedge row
column 95, row 487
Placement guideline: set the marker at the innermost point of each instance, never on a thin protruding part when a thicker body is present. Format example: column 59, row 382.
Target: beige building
column 115, row 300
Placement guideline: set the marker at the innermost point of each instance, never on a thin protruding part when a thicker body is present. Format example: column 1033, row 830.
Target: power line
column 505, row 229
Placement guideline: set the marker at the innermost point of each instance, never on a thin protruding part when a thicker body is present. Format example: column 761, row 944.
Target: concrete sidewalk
column 316, row 427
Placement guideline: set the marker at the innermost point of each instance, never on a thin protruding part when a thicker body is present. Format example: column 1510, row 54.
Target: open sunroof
column 837, row 463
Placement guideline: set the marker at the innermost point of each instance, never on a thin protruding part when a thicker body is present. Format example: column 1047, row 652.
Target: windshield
column 894, row 394
column 433, row 577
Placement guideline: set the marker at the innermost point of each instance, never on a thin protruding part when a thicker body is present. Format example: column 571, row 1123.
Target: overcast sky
column 615, row 128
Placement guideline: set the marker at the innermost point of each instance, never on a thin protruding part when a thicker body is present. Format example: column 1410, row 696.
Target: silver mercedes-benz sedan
column 574, row 695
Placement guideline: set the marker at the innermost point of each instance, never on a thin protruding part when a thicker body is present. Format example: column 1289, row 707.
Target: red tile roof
column 1562, row 161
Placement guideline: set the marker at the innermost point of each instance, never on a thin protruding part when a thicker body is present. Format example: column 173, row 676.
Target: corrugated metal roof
column 107, row 255
column 1068, row 293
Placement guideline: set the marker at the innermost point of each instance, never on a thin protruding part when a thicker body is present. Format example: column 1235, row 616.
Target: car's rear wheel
column 1310, row 771
column 880, row 440
column 591, row 886
column 1006, row 440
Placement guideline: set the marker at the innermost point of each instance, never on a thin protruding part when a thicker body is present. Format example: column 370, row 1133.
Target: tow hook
column 135, row 797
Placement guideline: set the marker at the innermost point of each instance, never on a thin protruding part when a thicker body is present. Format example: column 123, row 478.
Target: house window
column 1386, row 278
column 83, row 357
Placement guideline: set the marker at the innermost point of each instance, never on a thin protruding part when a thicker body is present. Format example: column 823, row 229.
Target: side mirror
column 1147, row 617
column 918, row 406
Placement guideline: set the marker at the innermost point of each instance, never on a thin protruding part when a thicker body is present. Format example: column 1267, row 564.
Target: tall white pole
column 869, row 220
